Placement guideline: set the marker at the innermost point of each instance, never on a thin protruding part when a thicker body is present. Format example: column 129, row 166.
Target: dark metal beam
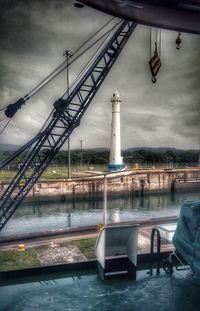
column 66, row 116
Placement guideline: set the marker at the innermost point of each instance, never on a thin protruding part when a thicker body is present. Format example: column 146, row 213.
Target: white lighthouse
column 115, row 161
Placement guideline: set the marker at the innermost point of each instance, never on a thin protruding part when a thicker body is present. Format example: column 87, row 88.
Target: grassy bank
column 14, row 260
column 87, row 247
column 55, row 172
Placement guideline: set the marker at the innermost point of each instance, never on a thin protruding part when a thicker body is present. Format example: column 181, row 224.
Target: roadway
column 68, row 235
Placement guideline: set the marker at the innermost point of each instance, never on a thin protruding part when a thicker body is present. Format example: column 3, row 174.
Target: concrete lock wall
column 127, row 182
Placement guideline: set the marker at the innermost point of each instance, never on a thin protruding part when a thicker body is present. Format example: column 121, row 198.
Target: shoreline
column 135, row 183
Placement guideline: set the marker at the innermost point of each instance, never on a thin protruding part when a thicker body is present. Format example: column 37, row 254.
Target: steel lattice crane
column 65, row 117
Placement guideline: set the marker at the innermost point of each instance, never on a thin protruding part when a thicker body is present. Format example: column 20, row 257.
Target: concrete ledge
column 81, row 230
column 133, row 182
column 39, row 271
column 143, row 262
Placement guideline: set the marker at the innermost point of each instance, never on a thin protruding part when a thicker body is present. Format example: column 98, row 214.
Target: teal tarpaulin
column 187, row 235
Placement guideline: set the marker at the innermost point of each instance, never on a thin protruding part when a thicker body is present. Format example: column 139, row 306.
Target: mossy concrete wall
column 128, row 182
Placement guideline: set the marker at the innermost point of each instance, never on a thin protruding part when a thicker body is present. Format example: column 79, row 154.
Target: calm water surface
column 41, row 216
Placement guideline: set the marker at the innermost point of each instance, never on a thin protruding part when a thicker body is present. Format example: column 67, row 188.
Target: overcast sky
column 33, row 36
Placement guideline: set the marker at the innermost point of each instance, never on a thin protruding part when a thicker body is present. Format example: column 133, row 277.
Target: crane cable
column 60, row 68
column 84, row 69
column 86, row 66
column 5, row 126
column 28, row 150
column 157, row 41
column 42, row 131
column 5, row 119
column 64, row 65
column 2, row 111
column 91, row 59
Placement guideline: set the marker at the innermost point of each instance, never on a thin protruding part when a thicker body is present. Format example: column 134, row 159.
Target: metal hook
column 153, row 79
column 178, row 41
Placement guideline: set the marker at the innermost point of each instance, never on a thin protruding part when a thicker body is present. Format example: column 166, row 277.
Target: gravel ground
column 56, row 253
column 62, row 250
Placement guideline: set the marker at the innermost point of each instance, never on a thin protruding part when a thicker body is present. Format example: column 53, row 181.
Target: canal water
column 177, row 292
column 53, row 215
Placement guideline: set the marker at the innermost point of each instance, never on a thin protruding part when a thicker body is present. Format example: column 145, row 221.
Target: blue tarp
column 187, row 235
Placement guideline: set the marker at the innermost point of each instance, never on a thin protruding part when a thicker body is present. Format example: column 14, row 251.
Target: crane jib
column 66, row 116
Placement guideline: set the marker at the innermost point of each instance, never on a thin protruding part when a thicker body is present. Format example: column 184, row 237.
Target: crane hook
column 178, row 41
column 155, row 61
column 153, row 79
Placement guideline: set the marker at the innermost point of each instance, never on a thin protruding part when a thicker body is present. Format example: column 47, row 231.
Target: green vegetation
column 87, row 156
column 87, row 159
column 13, row 260
column 90, row 157
column 161, row 156
column 130, row 156
column 54, row 172
column 6, row 175
column 87, row 247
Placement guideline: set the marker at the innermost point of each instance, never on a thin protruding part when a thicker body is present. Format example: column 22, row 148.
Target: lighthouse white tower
column 115, row 162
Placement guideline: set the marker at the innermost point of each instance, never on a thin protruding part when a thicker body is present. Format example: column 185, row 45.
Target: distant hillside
column 101, row 156
column 99, row 149
column 160, row 149
column 8, row 147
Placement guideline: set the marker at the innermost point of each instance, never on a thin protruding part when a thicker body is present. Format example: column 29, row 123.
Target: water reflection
column 116, row 216
column 40, row 216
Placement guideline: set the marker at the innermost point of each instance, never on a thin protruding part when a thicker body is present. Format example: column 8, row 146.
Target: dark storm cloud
column 34, row 35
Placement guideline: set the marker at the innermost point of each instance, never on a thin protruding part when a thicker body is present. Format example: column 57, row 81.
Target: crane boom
column 66, row 116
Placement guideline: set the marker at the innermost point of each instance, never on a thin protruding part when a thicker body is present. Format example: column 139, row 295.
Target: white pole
column 105, row 202
column 115, row 160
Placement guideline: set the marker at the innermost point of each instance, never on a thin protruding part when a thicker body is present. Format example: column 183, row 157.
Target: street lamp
column 81, row 143
column 68, row 54
column 105, row 212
